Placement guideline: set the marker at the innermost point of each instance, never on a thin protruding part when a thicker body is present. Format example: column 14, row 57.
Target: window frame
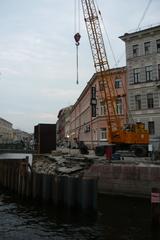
column 158, row 45
column 151, row 127
column 138, row 102
column 118, row 83
column 149, row 73
column 136, row 75
column 147, row 48
column 135, row 50
column 103, row 134
column 159, row 72
column 102, row 108
column 150, row 101
column 119, row 106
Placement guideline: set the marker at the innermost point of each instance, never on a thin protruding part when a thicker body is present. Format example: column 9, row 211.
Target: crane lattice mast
column 106, row 86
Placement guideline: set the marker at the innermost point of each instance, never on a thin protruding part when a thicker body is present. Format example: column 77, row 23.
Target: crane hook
column 77, row 37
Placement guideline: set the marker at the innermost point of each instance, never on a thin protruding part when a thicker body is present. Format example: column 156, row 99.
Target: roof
column 3, row 120
column 137, row 33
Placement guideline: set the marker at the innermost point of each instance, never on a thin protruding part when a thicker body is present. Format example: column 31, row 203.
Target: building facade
column 19, row 135
column 63, row 126
column 88, row 121
column 6, row 131
column 143, row 71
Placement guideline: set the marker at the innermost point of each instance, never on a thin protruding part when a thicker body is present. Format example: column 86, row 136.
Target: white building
column 143, row 67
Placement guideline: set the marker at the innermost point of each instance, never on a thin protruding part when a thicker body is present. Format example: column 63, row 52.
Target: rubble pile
column 61, row 164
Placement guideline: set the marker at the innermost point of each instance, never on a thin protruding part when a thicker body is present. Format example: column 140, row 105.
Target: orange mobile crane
column 134, row 135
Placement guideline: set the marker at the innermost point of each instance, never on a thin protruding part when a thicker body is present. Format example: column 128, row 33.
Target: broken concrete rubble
column 62, row 164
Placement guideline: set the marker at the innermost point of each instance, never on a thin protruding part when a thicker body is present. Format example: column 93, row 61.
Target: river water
column 117, row 218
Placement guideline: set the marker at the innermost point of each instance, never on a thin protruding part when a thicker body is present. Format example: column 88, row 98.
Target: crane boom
column 101, row 63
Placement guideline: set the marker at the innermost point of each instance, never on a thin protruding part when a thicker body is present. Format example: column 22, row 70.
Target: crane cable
column 144, row 13
column 77, row 36
column 138, row 28
column 105, row 30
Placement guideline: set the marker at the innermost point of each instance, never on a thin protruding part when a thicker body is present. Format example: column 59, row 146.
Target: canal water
column 117, row 218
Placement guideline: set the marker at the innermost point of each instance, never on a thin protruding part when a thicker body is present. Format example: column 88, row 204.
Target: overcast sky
column 37, row 54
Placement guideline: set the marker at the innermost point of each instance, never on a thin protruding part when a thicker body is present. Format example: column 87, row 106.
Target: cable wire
column 144, row 13
column 105, row 30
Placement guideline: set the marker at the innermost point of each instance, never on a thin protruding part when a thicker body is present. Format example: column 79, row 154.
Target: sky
column 38, row 54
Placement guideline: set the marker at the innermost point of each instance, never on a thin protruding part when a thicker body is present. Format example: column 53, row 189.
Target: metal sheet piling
column 63, row 191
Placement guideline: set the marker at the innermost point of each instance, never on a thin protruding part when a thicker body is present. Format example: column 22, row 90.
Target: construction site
column 103, row 147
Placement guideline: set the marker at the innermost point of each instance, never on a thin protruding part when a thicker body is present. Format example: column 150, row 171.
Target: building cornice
column 3, row 120
column 140, row 33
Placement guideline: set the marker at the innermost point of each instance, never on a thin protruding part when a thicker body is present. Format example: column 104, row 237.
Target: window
column 118, row 83
column 159, row 72
column 102, row 108
column 119, row 109
column 93, row 110
column 135, row 50
column 158, row 45
column 147, row 48
column 150, row 102
column 138, row 102
column 151, row 127
column 136, row 75
column 101, row 85
column 149, row 73
column 103, row 134
column 93, row 92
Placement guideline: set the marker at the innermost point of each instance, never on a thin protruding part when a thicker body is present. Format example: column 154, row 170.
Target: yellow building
column 6, row 131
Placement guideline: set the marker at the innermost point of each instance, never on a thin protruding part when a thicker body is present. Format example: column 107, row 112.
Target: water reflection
column 118, row 218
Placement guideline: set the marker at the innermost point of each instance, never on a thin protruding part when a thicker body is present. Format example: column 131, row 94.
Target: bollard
column 155, row 206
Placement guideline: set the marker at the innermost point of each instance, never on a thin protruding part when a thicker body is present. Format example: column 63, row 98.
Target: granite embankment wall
column 126, row 179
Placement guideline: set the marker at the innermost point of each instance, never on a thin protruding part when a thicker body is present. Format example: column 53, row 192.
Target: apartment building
column 19, row 135
column 88, row 121
column 63, row 125
column 143, row 77
column 6, row 131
